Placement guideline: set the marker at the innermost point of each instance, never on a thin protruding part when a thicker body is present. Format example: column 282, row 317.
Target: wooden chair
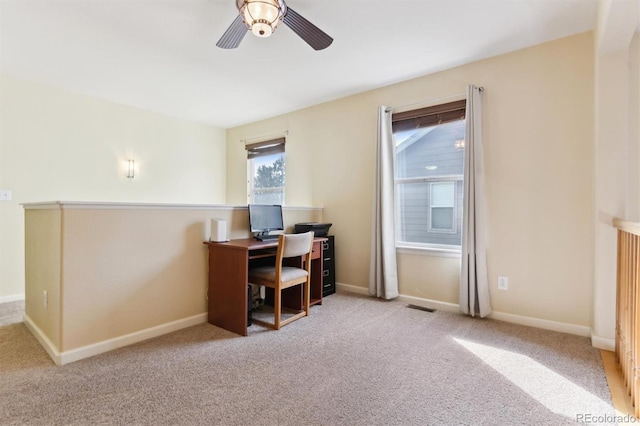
column 279, row 277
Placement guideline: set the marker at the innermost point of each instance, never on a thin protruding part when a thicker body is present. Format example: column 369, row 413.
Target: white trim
column 563, row 327
column 78, row 205
column 68, row 205
column 48, row 346
column 579, row 330
column 251, row 174
column 352, row 289
column 603, row 343
column 301, row 209
column 429, row 303
column 139, row 336
column 428, row 251
column 129, row 339
column 453, row 207
column 13, row 298
column 111, row 344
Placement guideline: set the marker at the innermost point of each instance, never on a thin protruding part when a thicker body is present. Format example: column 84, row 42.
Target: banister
column 627, row 226
column 628, row 307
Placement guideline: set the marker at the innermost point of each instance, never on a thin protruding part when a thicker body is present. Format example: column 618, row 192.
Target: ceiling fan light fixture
column 262, row 17
column 261, row 29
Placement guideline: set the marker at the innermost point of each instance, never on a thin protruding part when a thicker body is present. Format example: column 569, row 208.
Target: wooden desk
column 229, row 264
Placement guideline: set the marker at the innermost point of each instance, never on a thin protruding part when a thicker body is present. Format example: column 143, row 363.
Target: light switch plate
column 5, row 194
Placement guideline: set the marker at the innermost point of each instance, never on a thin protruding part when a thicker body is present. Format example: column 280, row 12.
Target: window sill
column 428, row 251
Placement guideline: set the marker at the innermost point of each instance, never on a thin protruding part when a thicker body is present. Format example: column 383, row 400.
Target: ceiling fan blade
column 313, row 35
column 234, row 34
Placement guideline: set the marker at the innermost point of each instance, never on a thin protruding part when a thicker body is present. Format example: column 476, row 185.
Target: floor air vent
column 421, row 308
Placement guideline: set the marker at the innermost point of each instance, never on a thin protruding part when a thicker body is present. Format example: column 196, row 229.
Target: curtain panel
column 383, row 273
column 474, row 285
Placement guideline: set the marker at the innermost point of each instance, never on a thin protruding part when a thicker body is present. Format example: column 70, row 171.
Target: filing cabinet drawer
column 329, row 267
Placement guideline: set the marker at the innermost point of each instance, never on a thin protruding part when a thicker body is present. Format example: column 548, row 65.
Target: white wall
column 538, row 115
column 55, row 145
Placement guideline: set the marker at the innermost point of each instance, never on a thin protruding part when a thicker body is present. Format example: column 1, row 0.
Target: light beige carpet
column 355, row 361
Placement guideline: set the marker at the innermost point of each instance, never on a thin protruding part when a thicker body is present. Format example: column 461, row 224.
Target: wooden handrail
column 628, row 307
column 627, row 226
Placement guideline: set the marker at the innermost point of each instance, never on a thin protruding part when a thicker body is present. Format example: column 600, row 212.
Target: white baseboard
column 61, row 358
column 429, row 303
column 72, row 355
column 579, row 330
column 563, row 327
column 48, row 346
column 603, row 343
column 352, row 289
column 500, row 316
column 14, row 298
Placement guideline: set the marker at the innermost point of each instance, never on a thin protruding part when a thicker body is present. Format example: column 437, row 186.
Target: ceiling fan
column 262, row 17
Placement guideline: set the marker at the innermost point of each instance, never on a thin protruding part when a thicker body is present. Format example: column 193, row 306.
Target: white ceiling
column 160, row 55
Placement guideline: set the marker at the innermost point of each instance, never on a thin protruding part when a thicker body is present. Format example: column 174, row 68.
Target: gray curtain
column 383, row 275
column 474, row 286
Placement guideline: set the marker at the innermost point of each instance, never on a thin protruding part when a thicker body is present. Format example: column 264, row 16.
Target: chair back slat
column 296, row 244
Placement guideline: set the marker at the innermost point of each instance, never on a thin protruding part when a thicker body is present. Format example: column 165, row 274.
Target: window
column 429, row 172
column 442, row 207
column 266, row 172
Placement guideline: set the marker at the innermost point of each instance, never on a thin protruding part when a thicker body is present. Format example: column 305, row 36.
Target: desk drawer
column 317, row 248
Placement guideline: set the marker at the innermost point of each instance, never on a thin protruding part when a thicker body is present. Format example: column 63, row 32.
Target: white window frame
column 454, row 228
column 251, row 190
column 426, row 246
column 423, row 118
column 251, row 167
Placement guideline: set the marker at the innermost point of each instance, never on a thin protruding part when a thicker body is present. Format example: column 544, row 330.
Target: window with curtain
column 266, row 172
column 429, row 148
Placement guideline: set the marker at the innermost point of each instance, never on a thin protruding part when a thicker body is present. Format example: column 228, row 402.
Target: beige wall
column 55, row 145
column 538, row 114
column 129, row 270
column 113, row 270
column 43, row 271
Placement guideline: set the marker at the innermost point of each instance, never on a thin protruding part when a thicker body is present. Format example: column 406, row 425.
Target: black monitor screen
column 264, row 218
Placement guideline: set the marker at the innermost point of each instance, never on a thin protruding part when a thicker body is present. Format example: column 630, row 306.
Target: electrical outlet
column 5, row 195
column 45, row 299
column 503, row 282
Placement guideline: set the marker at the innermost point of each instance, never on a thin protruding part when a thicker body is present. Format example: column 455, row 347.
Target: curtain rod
column 428, row 101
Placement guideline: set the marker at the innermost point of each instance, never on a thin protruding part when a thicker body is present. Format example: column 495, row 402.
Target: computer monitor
column 264, row 218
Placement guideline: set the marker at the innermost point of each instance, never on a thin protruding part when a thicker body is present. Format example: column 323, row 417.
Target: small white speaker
column 219, row 230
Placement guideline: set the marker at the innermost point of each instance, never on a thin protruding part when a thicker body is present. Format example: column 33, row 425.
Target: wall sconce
column 131, row 168
column 459, row 144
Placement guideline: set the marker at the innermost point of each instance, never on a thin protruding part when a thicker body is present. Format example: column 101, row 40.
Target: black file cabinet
column 329, row 267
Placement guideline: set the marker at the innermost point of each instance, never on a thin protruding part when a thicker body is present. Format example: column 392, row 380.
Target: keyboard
column 266, row 237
